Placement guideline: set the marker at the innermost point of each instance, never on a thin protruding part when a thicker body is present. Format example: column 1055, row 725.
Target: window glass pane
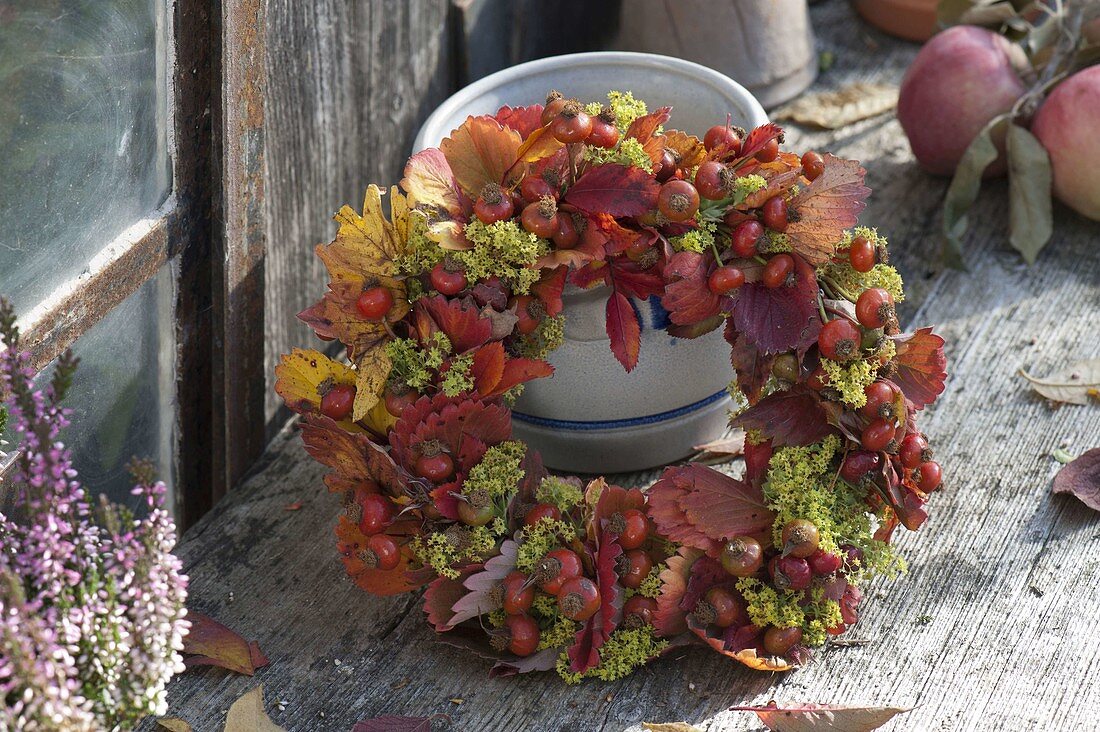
column 124, row 392
column 83, row 152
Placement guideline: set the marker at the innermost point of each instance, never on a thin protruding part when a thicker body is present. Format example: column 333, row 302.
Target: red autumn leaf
column 779, row 180
column 630, row 279
column 521, row 370
column 623, row 330
column 487, row 368
column 688, row 147
column 460, row 320
column 479, row 586
column 584, row 653
column 523, row 120
column 816, row 717
column 540, row 145
column 826, row 208
column 549, row 289
column 614, row 189
column 902, row 496
column 669, row 515
column 209, row 643
column 1081, row 478
column 480, row 152
column 793, row 417
column 644, row 127
column 618, row 237
column 607, row 500
column 752, row 366
column 356, row 460
column 758, row 137
column 687, row 297
column 722, row 507
column 922, row 366
column 430, row 182
column 351, row 542
column 758, row 457
column 670, row 619
column 441, row 596
column 449, row 420
column 780, row 319
column 392, row 723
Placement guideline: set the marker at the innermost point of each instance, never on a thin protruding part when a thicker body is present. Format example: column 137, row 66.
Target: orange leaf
column 480, row 152
column 688, row 147
column 351, row 543
column 922, row 366
column 825, row 209
column 541, row 144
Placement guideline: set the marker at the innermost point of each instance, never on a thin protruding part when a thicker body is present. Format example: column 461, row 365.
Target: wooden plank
column 349, row 83
column 993, row 628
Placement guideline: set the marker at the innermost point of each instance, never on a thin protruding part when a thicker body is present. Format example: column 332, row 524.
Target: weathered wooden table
column 994, row 628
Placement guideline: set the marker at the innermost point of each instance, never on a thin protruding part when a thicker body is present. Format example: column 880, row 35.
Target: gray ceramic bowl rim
column 658, row 63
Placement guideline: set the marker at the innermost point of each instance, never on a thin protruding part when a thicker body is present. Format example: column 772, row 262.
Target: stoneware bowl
column 592, row 416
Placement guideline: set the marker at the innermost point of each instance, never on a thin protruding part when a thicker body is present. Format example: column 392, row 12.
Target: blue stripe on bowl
column 612, row 424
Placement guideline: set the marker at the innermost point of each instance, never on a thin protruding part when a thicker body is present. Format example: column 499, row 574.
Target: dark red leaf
column 391, row 723
column 623, row 330
column 521, row 370
column 523, row 120
column 615, row 189
column 902, row 497
column 549, row 289
column 922, row 366
column 590, row 276
column 758, row 457
column 752, row 366
column 584, row 653
column 630, row 279
column 488, row 367
column 780, row 319
column 787, row 418
column 209, row 643
column 687, row 298
column 1081, row 478
column 460, row 320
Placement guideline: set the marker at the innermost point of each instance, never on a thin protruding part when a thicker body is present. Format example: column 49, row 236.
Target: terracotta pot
column 592, row 416
column 914, row 20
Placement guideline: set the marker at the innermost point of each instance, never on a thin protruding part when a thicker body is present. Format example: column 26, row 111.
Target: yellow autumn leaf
column 299, row 376
column 371, row 371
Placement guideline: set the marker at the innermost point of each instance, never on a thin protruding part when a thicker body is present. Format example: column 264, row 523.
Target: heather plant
column 91, row 597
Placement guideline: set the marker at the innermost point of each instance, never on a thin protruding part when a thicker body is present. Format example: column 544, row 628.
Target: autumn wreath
column 451, row 304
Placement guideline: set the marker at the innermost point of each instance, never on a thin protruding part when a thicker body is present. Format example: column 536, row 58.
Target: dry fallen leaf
column 1081, row 478
column 835, row 109
column 817, row 717
column 1078, row 383
column 209, row 643
column 172, row 724
column 247, row 714
column 729, row 446
column 390, row 723
column 296, row 506
column 670, row 727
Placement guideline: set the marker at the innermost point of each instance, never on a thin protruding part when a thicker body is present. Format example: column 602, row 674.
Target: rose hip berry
column 824, row 563
column 790, row 573
column 383, row 552
column 779, row 641
column 877, row 435
column 376, row 515
column 447, row 281
column 400, row 398
column 728, row 610
column 800, row 538
column 724, row 279
column 338, row 401
column 635, row 528
column 678, row 200
column 839, row 340
column 881, row 396
column 534, row 187
column 913, row 451
column 928, row 476
column 769, row 152
column 667, row 165
column 374, row 302
column 554, row 102
column 813, row 165
column 542, row 511
column 875, row 308
column 778, row 270
column 774, row 213
column 435, row 466
column 523, row 634
column 635, row 566
column 744, row 238
column 579, row 599
column 604, row 132
column 530, row 312
column 742, row 556
column 572, row 123
column 493, row 204
column 641, row 607
column 722, row 136
column 710, row 180
column 861, row 254
column 567, row 236
column 477, row 510
column 518, row 593
column 541, row 217
column 858, row 464
column 556, row 568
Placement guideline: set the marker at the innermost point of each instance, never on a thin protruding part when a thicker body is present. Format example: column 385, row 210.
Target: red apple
column 961, row 79
column 1066, row 125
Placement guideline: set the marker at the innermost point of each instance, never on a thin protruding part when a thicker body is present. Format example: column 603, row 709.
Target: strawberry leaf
column 825, row 209
column 787, row 418
column 922, row 366
column 480, row 152
column 617, row 236
column 460, row 320
column 699, row 507
column 815, row 717
column 630, row 279
column 686, row 297
column 614, row 189
column 623, row 330
column 523, row 120
column 753, row 367
column 1081, row 478
column 780, row 319
column 670, row 618
column 549, row 289
column 429, row 182
column 758, row 137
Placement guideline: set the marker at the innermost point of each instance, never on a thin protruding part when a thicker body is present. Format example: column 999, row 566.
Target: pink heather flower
column 91, row 601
